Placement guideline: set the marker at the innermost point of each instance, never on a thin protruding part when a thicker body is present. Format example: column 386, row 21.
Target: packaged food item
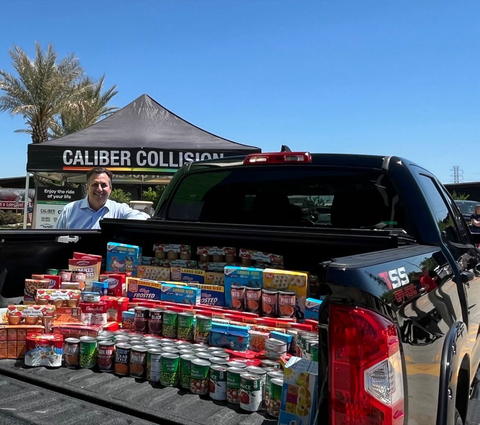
column 181, row 274
column 233, row 384
column 106, row 356
column 251, row 396
column 172, row 251
column 84, row 256
column 199, row 376
column 155, row 321
column 241, row 276
column 54, row 280
column 128, row 318
column 140, row 323
column 44, row 350
column 122, row 359
column 143, row 289
column 269, row 303
column 89, row 266
column 299, row 393
column 169, row 326
column 285, row 280
column 138, row 361
column 185, row 326
column 122, row 257
column 202, row 329
column 215, row 278
column 212, row 295
column 117, row 283
column 237, row 294
column 274, row 399
column 218, row 382
column 257, row 340
column 29, row 314
column 250, row 256
column 72, row 353
column 287, row 301
column 253, row 300
column 88, row 352
column 70, row 285
column 169, row 364
column 312, row 308
column 100, row 287
column 153, row 364
column 153, row 272
column 31, row 286
column 58, row 297
column 217, row 254
column 115, row 307
column 94, row 313
column 180, row 294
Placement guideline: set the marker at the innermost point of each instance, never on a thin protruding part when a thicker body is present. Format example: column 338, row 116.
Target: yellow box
column 153, row 272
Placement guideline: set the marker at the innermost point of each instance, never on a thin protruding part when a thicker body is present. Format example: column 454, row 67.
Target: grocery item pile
column 237, row 328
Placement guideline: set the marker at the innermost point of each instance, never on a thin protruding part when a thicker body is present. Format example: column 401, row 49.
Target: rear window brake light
column 278, row 158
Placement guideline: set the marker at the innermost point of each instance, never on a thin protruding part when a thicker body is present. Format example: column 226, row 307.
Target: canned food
column 286, row 303
column 90, row 297
column 185, row 351
column 269, row 303
column 268, row 385
column 169, row 369
column 106, row 356
column 205, row 355
column 218, row 360
column 251, row 396
column 253, row 300
column 169, row 329
column 72, row 352
column 233, row 384
column 237, row 364
column 138, row 361
column 221, row 354
column 273, row 406
column 270, row 363
column 140, row 322
column 153, row 364
column 170, row 349
column 167, row 341
column 263, row 375
column 185, row 326
column 199, row 376
column 88, row 352
column 155, row 321
column 238, row 297
column 218, row 382
column 185, row 370
column 122, row 359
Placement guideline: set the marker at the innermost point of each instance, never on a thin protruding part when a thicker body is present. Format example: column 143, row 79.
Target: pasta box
column 143, row 289
column 180, row 294
column 241, row 276
column 122, row 257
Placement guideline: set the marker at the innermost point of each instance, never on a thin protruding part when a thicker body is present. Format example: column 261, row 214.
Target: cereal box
column 181, row 274
column 143, row 289
column 299, row 395
column 312, row 308
column 180, row 294
column 241, row 276
column 212, row 295
column 122, row 257
column 285, row 280
column 153, row 272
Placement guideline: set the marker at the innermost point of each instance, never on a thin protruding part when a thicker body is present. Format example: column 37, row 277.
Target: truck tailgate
column 166, row 405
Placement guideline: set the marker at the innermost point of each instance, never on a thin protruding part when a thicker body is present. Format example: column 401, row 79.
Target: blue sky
column 360, row 76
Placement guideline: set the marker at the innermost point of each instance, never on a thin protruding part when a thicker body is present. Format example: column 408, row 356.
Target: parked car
column 467, row 208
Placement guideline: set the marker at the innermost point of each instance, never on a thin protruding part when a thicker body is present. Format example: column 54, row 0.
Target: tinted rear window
column 291, row 196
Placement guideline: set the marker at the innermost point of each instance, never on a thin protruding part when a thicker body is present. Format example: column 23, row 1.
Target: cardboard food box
column 143, row 289
column 65, row 315
column 54, row 280
column 285, row 280
column 299, row 394
column 215, row 278
column 180, row 294
column 117, row 283
column 13, row 340
column 212, row 295
column 181, row 274
column 241, row 276
column 153, row 272
column 122, row 257
column 115, row 307
column 31, row 286
column 76, row 331
column 312, row 308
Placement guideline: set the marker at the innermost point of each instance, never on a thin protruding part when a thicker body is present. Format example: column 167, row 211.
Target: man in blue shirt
column 87, row 213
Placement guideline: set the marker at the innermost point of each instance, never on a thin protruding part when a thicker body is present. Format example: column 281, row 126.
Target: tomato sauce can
column 88, row 352
column 251, row 397
column 138, row 361
column 185, row 370
column 218, row 382
column 122, row 359
column 233, row 384
column 199, row 376
column 106, row 355
column 71, row 353
column 154, row 355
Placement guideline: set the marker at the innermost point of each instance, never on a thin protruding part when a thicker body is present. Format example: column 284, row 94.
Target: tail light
column 278, row 158
column 365, row 373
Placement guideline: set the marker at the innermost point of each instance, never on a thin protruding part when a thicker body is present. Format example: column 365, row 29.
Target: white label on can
column 220, row 390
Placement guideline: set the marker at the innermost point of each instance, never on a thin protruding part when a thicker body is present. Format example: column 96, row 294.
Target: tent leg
column 25, row 208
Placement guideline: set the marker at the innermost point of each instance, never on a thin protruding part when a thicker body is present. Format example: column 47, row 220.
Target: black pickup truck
column 394, row 260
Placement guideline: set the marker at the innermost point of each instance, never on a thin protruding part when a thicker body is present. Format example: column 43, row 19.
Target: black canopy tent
column 143, row 138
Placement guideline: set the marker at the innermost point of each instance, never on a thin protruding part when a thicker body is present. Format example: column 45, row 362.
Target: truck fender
column 450, row 365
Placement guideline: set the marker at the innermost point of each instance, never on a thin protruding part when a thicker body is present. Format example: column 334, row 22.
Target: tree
column 42, row 89
column 153, row 195
column 120, row 196
column 87, row 110
column 460, row 196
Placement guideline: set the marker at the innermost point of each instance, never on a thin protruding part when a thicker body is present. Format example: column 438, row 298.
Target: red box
column 3, row 350
column 11, row 334
column 55, row 280
column 117, row 283
column 12, row 349
column 3, row 334
column 95, row 308
column 115, row 307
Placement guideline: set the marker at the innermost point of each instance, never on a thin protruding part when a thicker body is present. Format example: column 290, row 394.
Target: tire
column 458, row 418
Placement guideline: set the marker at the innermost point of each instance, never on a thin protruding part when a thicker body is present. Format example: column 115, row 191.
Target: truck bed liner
column 166, row 405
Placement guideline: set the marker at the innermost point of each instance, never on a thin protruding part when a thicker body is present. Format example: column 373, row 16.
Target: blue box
column 213, row 295
column 241, row 276
column 312, row 308
column 282, row 337
column 143, row 289
column 122, row 258
column 180, row 294
column 232, row 337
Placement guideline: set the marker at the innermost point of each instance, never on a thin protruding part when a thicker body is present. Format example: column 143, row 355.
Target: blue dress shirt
column 79, row 215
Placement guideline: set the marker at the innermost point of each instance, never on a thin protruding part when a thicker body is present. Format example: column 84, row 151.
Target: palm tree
column 89, row 106
column 41, row 91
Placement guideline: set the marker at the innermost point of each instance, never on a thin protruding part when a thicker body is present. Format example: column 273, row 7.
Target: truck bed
column 140, row 399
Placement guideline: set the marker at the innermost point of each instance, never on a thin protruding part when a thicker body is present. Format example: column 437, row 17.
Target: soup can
column 273, row 406
column 268, row 384
column 106, row 356
column 218, row 382
column 185, row 370
column 140, row 322
column 233, row 384
column 202, row 329
column 169, row 363
column 155, row 321
column 185, row 326
column 71, row 353
column 122, row 359
column 286, row 304
column 253, row 298
column 153, row 364
column 237, row 364
column 269, row 303
column 138, row 361
column 251, row 397
column 169, row 326
column 199, row 376
column 88, row 352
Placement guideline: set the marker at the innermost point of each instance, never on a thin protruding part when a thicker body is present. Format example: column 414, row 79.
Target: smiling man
column 87, row 213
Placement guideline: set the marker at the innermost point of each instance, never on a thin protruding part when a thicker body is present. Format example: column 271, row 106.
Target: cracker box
column 143, row 289
column 299, row 395
column 241, row 276
column 153, row 272
column 212, row 295
column 181, row 274
column 122, row 257
column 312, row 308
column 285, row 280
column 181, row 294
